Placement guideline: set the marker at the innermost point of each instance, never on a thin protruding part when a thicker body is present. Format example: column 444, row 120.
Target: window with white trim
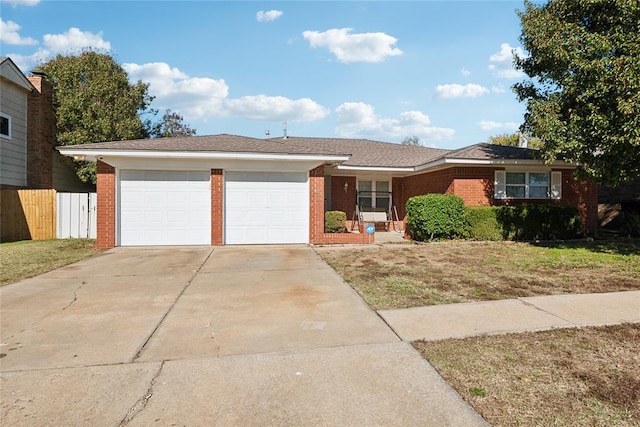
column 528, row 185
column 374, row 194
column 5, row 126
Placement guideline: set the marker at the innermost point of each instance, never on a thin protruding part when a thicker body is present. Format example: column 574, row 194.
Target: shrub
column 539, row 222
column 335, row 222
column 482, row 223
column 630, row 224
column 436, row 216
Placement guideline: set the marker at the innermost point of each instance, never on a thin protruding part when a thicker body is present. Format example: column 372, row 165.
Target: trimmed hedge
column 525, row 222
column 539, row 222
column 335, row 222
column 482, row 223
column 435, row 216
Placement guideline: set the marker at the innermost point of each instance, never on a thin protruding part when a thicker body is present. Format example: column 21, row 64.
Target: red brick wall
column 475, row 186
column 341, row 200
column 106, row 209
column 316, row 204
column 41, row 123
column 217, row 211
column 416, row 185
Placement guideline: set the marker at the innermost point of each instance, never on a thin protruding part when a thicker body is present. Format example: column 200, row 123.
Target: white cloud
column 9, row 34
column 262, row 107
column 203, row 97
column 465, row 72
column 74, row 39
column 498, row 89
column 491, row 125
column 347, row 47
column 460, row 91
column 268, row 16
column 502, row 61
column 27, row 62
column 21, row 2
column 357, row 119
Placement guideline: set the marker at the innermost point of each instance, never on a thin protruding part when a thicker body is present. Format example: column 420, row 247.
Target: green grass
column 464, row 271
column 28, row 258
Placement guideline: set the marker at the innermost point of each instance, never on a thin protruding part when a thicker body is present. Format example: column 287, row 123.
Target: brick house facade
column 313, row 168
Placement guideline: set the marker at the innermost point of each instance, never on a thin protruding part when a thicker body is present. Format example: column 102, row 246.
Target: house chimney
column 285, row 131
column 41, row 125
column 522, row 140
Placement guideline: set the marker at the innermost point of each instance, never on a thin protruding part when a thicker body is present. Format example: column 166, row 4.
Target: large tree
column 411, row 140
column 516, row 139
column 171, row 125
column 583, row 95
column 94, row 102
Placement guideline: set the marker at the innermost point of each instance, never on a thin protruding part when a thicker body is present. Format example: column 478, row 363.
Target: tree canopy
column 515, row 140
column 171, row 125
column 94, row 102
column 411, row 140
column 583, row 92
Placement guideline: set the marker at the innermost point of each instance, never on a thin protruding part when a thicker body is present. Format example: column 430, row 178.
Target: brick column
column 106, row 209
column 41, row 124
column 316, row 204
column 217, row 208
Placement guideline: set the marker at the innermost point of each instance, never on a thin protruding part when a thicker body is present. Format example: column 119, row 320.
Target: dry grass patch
column 402, row 276
column 21, row 260
column 564, row 377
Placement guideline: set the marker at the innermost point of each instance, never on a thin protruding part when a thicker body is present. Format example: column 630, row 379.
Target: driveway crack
column 75, row 296
column 141, row 403
column 33, row 324
column 164, row 316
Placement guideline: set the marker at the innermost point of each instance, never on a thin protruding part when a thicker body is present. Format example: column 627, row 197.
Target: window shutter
column 555, row 190
column 500, row 185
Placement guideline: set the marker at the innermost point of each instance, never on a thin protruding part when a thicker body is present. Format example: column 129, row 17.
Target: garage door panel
column 266, row 208
column 165, row 208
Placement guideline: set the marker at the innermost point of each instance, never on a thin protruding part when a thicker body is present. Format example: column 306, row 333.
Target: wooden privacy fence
column 27, row 215
column 46, row 214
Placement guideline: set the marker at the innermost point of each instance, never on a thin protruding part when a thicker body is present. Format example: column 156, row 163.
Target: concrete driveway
column 208, row 336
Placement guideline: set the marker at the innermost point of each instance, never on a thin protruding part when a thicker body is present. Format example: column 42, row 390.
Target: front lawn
column 564, row 377
column 28, row 258
column 402, row 276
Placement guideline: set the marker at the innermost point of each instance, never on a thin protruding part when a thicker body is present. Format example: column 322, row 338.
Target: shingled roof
column 361, row 152
column 365, row 152
column 486, row 151
column 224, row 143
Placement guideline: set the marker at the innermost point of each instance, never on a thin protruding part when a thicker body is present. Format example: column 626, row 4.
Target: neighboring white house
column 14, row 94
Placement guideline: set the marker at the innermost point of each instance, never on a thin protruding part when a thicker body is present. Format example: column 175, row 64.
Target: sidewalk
column 514, row 315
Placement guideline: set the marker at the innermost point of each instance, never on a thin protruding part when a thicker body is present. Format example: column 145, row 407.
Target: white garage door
column 165, row 208
column 266, row 208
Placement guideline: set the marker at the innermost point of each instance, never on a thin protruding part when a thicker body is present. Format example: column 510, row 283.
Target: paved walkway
column 514, row 315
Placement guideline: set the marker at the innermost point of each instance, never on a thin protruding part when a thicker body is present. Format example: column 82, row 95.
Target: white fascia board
column 374, row 168
column 92, row 155
column 493, row 162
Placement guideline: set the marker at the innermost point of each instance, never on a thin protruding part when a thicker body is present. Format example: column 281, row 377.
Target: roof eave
column 375, row 168
column 96, row 154
column 488, row 162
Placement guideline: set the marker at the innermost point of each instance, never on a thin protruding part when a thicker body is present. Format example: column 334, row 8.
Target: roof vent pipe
column 284, row 131
column 267, row 133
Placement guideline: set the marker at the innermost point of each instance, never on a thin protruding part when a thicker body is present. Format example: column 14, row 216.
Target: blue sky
column 384, row 70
